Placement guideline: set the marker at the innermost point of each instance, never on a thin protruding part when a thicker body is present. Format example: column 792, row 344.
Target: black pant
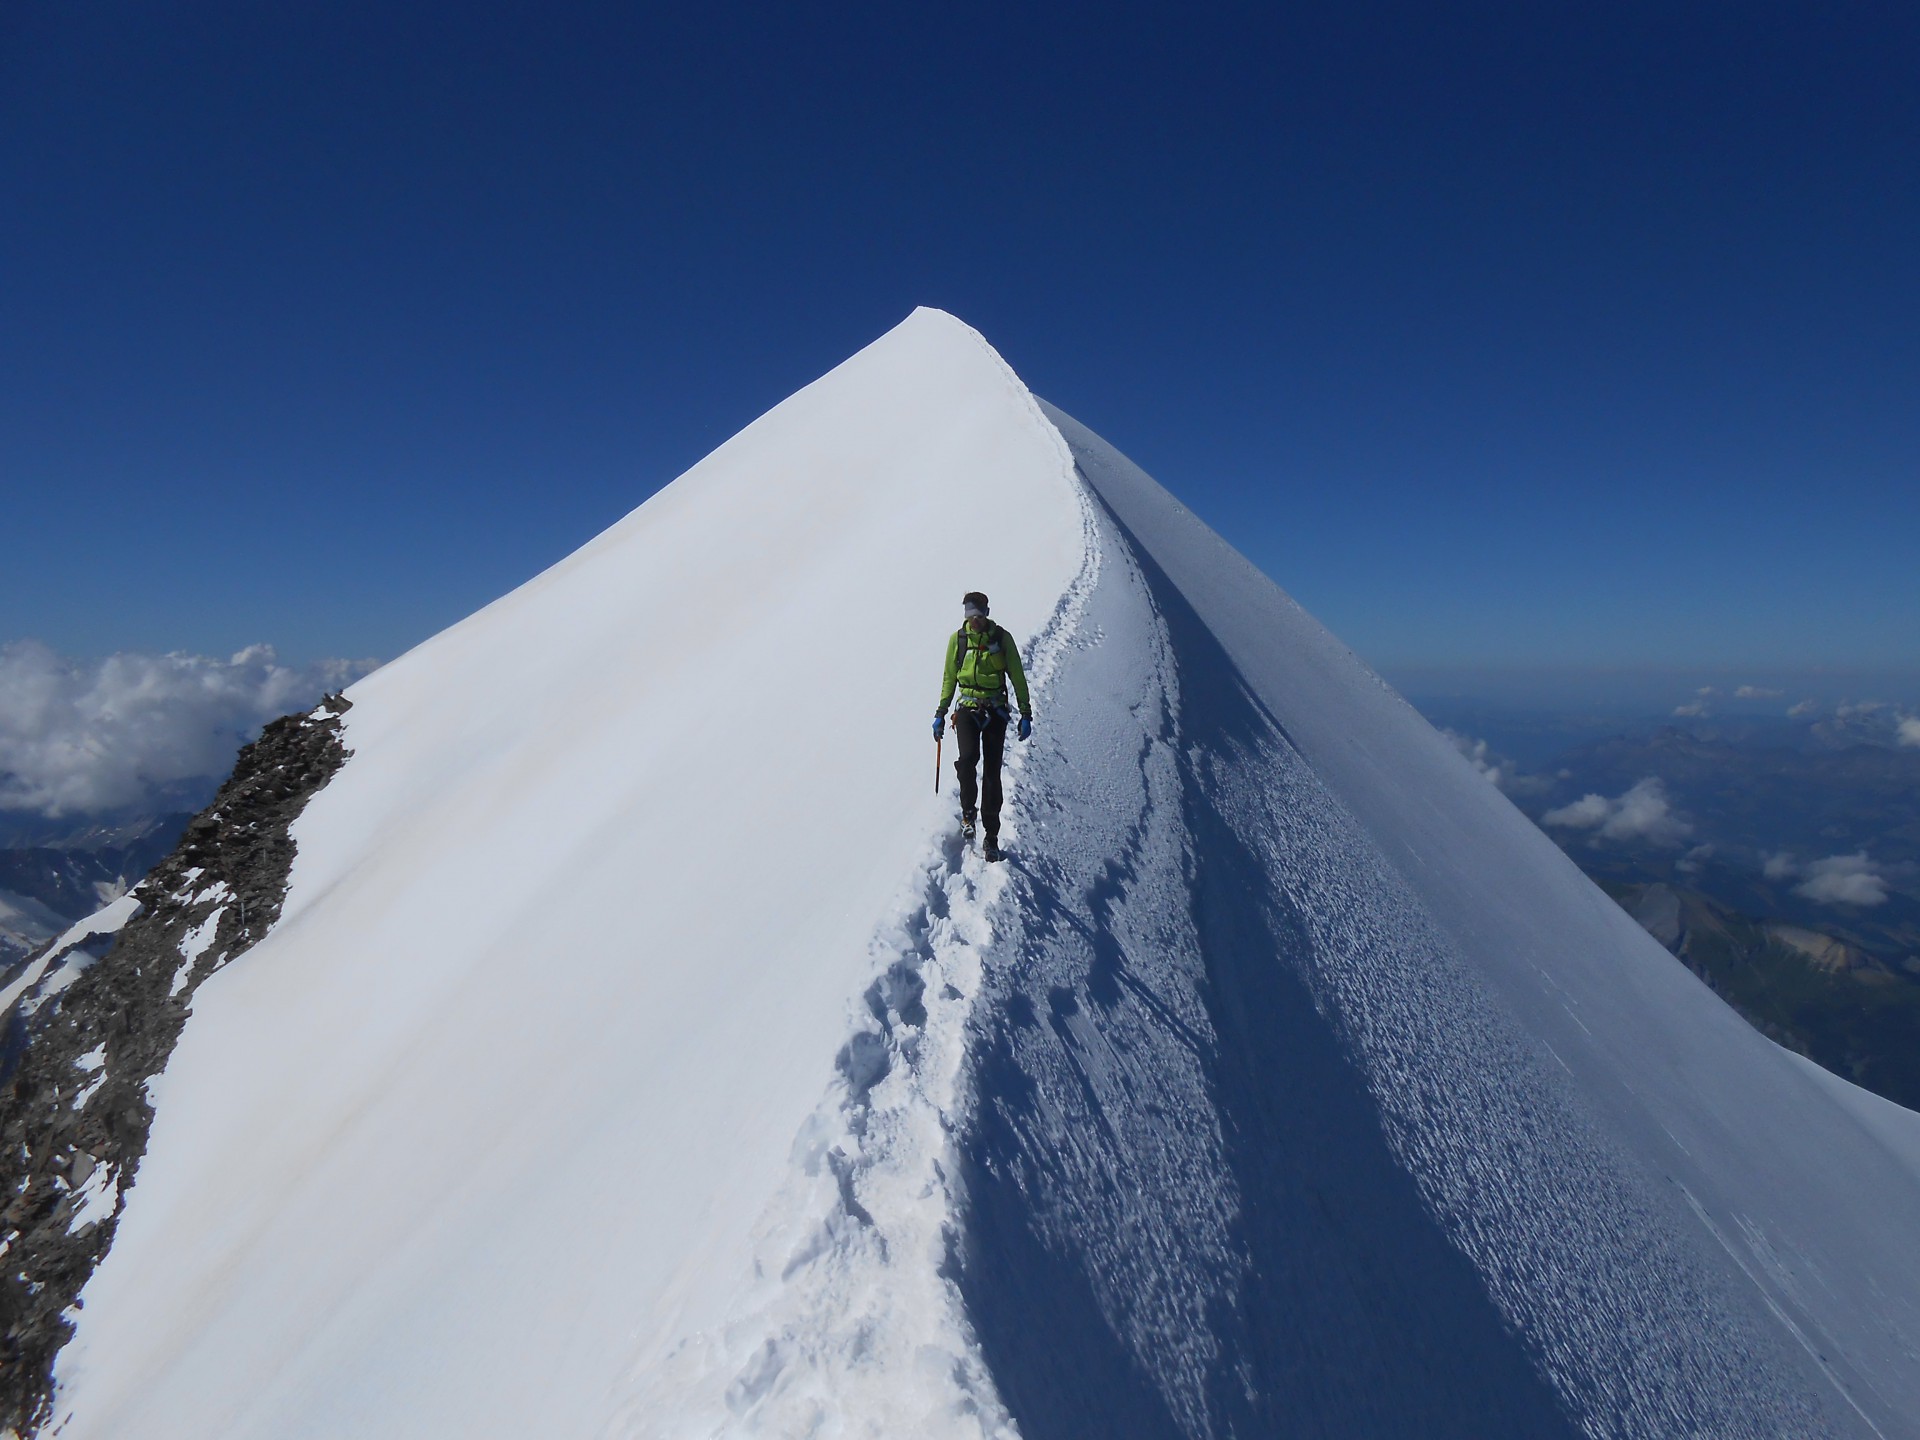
column 972, row 725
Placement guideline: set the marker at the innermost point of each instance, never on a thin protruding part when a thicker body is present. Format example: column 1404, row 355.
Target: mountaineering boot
column 966, row 824
column 991, row 850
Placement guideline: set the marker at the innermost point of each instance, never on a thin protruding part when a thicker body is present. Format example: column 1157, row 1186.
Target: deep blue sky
column 1495, row 333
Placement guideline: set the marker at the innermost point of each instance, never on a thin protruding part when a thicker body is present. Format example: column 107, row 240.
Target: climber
column 980, row 658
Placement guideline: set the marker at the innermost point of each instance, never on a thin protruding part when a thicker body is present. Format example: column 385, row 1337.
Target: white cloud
column 1910, row 730
column 1641, row 813
column 1700, row 704
column 1844, row 880
column 1757, row 692
column 1490, row 767
column 1694, row 859
column 1779, row 867
column 1497, row 770
column 89, row 735
column 1804, row 707
column 1586, row 813
column 1476, row 753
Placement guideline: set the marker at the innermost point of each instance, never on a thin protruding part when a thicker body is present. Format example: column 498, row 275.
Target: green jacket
column 981, row 671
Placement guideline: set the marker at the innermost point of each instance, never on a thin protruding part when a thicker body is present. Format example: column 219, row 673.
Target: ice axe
column 936, row 763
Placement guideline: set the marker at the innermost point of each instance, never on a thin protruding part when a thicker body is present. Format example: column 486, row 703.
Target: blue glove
column 939, row 724
column 1026, row 726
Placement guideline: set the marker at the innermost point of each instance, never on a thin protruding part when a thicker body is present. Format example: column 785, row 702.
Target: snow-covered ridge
column 638, row 1054
column 573, row 940
column 851, row 1318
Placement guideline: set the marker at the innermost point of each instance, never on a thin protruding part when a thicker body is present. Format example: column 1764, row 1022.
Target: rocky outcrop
column 100, row 1018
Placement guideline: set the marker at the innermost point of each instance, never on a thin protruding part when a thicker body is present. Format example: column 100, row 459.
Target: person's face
column 976, row 623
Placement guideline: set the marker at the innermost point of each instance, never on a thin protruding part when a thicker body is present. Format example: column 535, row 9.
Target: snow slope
column 573, row 939
column 639, row 1055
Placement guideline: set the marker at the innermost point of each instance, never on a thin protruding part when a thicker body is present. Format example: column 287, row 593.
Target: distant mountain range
column 1760, row 817
column 1778, row 858
column 1832, row 1002
column 55, row 872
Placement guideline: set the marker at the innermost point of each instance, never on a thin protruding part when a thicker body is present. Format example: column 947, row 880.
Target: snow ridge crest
column 851, row 1322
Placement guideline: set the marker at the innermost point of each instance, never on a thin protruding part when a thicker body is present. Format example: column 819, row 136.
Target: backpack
column 991, row 643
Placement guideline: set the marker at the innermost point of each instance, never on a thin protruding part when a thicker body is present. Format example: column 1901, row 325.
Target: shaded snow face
column 1304, row 989
column 1188, row 1213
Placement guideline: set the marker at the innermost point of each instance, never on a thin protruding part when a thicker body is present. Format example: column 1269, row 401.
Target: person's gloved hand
column 939, row 724
column 1026, row 726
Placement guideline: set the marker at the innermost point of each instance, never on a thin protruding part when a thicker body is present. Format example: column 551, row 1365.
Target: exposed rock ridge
column 101, row 1020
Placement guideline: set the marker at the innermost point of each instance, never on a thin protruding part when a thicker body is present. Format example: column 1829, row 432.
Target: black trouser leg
column 966, row 735
column 983, row 737
column 994, row 744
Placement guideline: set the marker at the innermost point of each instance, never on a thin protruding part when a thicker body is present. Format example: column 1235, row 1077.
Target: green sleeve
column 949, row 678
column 1016, row 671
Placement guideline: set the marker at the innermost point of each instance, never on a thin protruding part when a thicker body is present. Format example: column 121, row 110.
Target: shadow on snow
column 1337, row 1307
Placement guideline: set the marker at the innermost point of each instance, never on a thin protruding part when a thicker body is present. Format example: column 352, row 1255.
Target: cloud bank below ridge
column 86, row 736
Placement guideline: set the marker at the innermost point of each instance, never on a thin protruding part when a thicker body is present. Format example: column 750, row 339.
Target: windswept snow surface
column 639, row 1054
column 1319, row 1094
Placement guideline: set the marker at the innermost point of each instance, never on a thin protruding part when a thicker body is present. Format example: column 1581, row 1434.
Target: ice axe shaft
column 936, row 764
